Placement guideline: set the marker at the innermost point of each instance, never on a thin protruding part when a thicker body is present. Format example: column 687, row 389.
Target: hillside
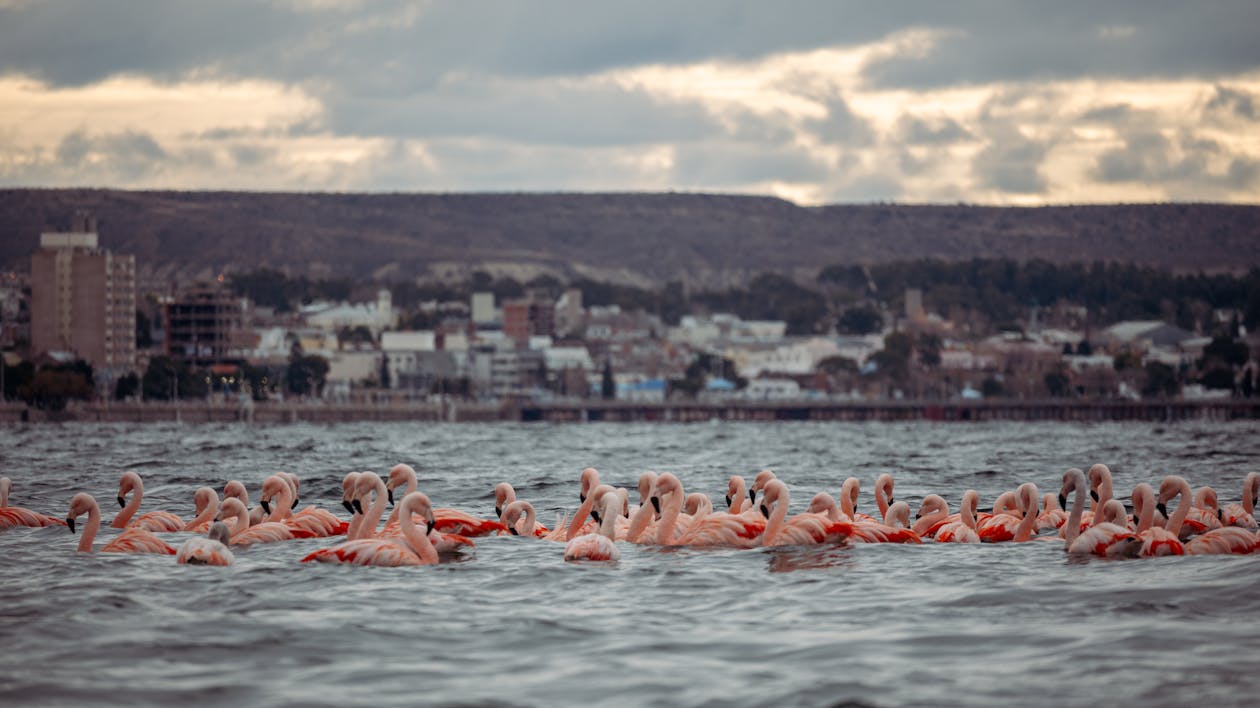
column 637, row 238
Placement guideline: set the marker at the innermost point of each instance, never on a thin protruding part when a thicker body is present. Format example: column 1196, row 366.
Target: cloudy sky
column 819, row 102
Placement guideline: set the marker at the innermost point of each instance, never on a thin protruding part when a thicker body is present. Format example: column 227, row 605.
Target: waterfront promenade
column 620, row 411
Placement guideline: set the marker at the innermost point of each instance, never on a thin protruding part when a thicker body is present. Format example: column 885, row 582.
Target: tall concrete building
column 83, row 300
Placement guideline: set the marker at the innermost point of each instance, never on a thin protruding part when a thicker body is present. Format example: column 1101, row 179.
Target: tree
column 1057, row 384
column 608, row 387
column 1161, row 381
column 384, row 375
column 1218, row 377
column 929, row 348
column 127, row 386
column 306, row 374
column 1227, row 351
column 860, row 320
column 992, row 388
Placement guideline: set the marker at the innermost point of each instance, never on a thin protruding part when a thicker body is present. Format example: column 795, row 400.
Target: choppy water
column 514, row 625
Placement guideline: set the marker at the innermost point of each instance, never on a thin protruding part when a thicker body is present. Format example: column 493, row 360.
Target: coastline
column 621, row 411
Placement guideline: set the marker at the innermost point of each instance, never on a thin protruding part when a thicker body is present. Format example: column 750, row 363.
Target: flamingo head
column 666, row 485
column 203, row 498
column 347, row 490
column 129, row 483
column 504, row 494
column 82, row 503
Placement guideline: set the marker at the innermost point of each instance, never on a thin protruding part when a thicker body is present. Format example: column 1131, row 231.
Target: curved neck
column 207, row 514
column 777, row 519
column 128, row 511
column 282, row 502
column 1144, row 507
column 1028, row 524
column 882, row 492
column 671, row 506
column 579, row 518
column 531, row 521
column 739, row 492
column 90, row 531
column 967, row 514
column 1249, row 493
column 416, row 539
column 4, row 493
column 642, row 517
column 929, row 520
column 848, row 499
column 1073, row 528
column 1183, row 508
column 374, row 513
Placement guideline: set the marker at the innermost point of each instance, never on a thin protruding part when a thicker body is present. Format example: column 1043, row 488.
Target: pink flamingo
column 11, row 516
column 963, row 530
column 521, row 520
column 698, row 505
column 370, row 484
column 848, row 499
column 1156, row 541
column 236, row 490
column 206, row 503
column 154, row 520
column 802, row 529
column 1206, row 509
column 134, row 539
column 311, row 522
column 598, row 546
column 763, row 478
column 1244, row 515
column 1002, row 527
column 413, row 548
column 892, row 530
column 737, row 495
column 349, row 485
column 211, row 550
column 933, row 514
column 451, row 521
column 1229, row 539
column 1052, row 517
column 678, row 529
column 1101, row 539
column 504, row 494
column 589, row 480
column 884, row 493
column 264, row 532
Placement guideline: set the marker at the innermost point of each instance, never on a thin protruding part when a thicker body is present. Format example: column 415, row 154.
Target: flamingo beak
column 498, row 511
column 428, row 526
column 581, row 498
column 765, row 511
column 656, row 504
column 349, row 507
column 70, row 523
column 752, row 495
column 265, row 505
column 390, row 493
column 1093, row 495
column 892, row 500
column 122, row 502
column 1219, row 516
column 512, row 530
column 358, row 506
column 1162, row 509
column 1135, row 519
column 1062, row 500
column 595, row 515
column 294, row 504
column 728, row 500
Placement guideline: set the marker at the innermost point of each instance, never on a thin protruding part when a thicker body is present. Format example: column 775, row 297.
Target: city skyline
column 818, row 103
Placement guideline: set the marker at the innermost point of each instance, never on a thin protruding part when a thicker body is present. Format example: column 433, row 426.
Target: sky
column 994, row 102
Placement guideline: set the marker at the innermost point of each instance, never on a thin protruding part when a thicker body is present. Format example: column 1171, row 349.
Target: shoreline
column 621, row 411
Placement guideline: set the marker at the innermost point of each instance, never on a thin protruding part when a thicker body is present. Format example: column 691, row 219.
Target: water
column 515, row 625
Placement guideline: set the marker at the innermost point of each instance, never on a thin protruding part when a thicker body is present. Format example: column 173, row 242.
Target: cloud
column 1233, row 101
column 1011, row 162
column 934, row 131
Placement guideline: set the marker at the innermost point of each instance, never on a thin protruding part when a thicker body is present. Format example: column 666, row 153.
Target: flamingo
column 310, row 522
column 236, row 490
column 370, row 483
column 1101, row 539
column 588, row 481
column 1206, row 509
column 206, row 503
column 736, row 495
column 1229, row 539
column 884, row 493
column 263, row 532
column 414, row 547
column 348, row 485
column 1052, row 516
column 134, row 539
column 211, row 550
column 678, row 529
column 848, row 499
column 504, row 494
column 1002, row 527
column 933, row 514
column 698, row 505
column 963, row 530
column 802, row 529
column 1243, row 515
column 892, row 530
column 449, row 520
column 154, row 520
column 1156, row 541
column 11, row 516
column 763, row 478
column 599, row 546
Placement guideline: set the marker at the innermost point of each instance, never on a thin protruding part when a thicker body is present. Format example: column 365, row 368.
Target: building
column 528, row 317
column 374, row 316
column 83, row 300
column 206, row 324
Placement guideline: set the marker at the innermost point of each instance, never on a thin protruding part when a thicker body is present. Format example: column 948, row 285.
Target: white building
column 798, row 358
column 375, row 316
column 402, row 351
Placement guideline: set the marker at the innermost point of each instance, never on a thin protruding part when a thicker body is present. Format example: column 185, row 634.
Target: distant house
column 1144, row 334
column 375, row 316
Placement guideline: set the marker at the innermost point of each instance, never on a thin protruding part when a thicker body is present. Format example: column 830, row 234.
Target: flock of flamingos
column 666, row 516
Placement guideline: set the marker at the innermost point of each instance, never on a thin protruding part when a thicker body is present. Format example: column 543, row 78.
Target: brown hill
column 644, row 238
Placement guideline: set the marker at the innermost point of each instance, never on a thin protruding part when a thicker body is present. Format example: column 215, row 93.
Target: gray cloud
column 1011, row 163
column 1233, row 101
column 721, row 164
column 937, row 131
column 1183, row 164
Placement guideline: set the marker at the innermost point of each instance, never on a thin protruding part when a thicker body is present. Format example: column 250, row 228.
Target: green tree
column 1057, row 384
column 992, row 388
column 127, row 386
column 53, row 387
column 860, row 320
column 306, row 374
column 1161, row 381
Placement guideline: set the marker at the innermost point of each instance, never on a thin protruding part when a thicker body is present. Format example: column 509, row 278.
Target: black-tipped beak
column 349, row 507
column 294, row 504
column 1219, row 515
column 918, row 515
column 122, row 502
column 656, row 504
column 728, row 500
column 581, row 498
column 358, row 506
column 765, row 511
column 1062, row 501
column 266, row 505
column 70, row 523
column 892, row 500
column 1163, row 510
column 428, row 526
column 752, row 495
column 390, row 493
column 1093, row 495
column 1135, row 520
column 595, row 515
column 498, row 511
column 512, row 530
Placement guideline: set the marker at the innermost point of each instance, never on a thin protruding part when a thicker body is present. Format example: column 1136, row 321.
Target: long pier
column 1065, row 410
